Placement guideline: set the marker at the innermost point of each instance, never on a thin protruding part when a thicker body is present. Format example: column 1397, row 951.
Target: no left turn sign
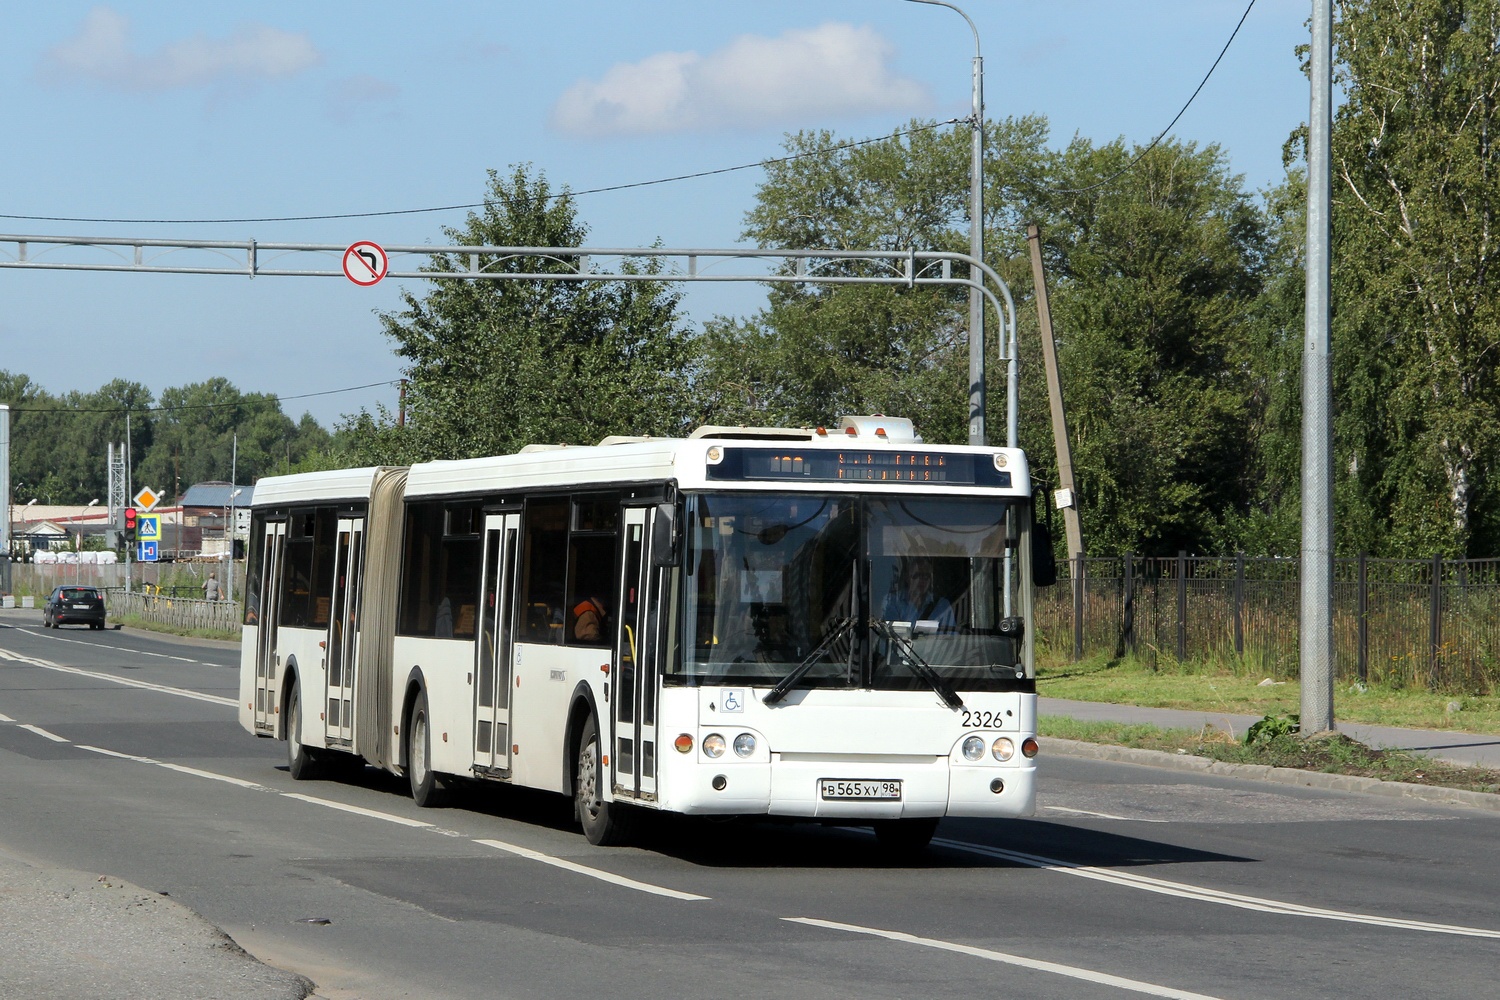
column 365, row 263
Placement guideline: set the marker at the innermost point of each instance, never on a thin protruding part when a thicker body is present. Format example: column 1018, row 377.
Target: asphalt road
column 119, row 753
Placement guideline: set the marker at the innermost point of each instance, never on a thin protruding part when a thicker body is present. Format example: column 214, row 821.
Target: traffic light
column 130, row 513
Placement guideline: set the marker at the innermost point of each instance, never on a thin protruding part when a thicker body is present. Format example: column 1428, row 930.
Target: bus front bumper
column 853, row 788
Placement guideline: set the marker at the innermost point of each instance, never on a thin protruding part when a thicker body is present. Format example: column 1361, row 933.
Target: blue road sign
column 148, row 527
column 145, row 551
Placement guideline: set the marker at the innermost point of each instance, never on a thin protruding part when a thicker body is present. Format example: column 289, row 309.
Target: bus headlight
column 1003, row 749
column 973, row 748
column 744, row 745
column 713, row 745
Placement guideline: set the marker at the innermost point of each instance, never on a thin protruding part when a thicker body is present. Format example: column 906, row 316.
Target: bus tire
column 426, row 790
column 605, row 824
column 904, row 838
column 301, row 762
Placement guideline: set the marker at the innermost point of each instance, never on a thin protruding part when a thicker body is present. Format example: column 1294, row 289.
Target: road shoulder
column 75, row 934
column 1280, row 775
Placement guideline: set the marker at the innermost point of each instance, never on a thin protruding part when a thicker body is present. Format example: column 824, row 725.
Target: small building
column 209, row 513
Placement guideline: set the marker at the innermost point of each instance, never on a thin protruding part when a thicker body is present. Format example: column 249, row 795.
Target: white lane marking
column 126, row 681
column 1100, row 815
column 180, row 768
column 42, row 732
column 1072, row 972
column 139, row 652
column 599, row 874
column 360, row 811
column 417, row 824
column 1205, row 895
column 5, row 718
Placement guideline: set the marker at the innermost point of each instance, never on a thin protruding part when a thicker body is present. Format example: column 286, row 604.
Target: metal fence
column 1418, row 623
column 178, row 612
column 180, row 579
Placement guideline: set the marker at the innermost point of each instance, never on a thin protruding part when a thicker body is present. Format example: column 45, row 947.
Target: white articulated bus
column 826, row 624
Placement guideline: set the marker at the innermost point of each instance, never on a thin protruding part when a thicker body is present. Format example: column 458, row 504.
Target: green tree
column 1416, row 328
column 1155, row 261
column 1154, row 273
column 817, row 351
column 494, row 365
column 210, row 431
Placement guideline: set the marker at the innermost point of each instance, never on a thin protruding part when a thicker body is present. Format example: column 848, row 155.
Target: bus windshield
column 893, row 593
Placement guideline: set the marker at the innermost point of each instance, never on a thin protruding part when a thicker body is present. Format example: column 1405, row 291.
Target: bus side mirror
column 1043, row 559
column 664, row 536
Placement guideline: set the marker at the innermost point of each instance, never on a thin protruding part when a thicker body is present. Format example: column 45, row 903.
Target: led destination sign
column 858, row 465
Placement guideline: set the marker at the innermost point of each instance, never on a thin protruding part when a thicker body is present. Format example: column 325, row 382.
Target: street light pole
column 976, row 246
column 229, row 546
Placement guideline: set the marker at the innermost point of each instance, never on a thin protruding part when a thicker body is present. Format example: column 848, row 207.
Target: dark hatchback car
column 74, row 606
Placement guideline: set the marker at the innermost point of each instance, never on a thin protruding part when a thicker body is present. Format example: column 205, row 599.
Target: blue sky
column 169, row 110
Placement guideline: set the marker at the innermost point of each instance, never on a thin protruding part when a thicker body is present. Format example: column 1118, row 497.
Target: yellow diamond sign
column 146, row 499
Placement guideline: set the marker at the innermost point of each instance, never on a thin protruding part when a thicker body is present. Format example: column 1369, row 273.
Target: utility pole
column 129, row 496
column 1067, row 498
column 4, row 498
column 1316, row 631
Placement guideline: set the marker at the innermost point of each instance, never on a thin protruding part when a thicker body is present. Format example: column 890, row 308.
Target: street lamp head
column 93, row 501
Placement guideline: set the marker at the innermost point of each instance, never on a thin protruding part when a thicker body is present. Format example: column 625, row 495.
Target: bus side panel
column 447, row 666
column 545, row 677
column 299, row 646
column 249, row 639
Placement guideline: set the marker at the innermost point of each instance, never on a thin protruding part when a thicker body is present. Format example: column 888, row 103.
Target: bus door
column 633, row 763
column 494, row 651
column 343, row 629
column 266, row 658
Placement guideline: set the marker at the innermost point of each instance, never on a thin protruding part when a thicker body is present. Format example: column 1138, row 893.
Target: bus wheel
column 300, row 762
column 604, row 823
column 425, row 788
column 902, row 838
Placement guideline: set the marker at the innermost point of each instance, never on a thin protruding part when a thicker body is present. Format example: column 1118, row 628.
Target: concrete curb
column 1486, row 801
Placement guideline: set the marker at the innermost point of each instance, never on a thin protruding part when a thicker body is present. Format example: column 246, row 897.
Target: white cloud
column 803, row 76
column 101, row 52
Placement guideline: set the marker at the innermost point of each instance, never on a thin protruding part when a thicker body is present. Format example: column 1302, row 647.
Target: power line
column 454, row 208
column 1162, row 134
column 195, row 406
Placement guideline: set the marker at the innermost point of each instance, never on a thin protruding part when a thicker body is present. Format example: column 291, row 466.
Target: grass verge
column 147, row 625
column 1332, row 754
column 1237, row 688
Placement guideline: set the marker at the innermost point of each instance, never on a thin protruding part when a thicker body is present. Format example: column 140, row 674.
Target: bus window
column 297, row 570
column 592, row 601
column 545, row 567
column 440, row 585
column 253, row 557
column 325, row 534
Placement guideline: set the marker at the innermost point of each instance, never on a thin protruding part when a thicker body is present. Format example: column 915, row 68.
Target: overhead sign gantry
column 250, row 258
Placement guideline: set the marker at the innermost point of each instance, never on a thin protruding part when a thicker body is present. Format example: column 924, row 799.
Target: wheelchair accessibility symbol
column 732, row 700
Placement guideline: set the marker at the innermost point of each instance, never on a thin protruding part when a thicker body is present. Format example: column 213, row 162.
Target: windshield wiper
column 919, row 666
column 840, row 629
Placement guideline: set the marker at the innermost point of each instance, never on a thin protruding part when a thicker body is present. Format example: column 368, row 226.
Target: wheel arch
column 580, row 707
column 290, row 677
column 416, row 683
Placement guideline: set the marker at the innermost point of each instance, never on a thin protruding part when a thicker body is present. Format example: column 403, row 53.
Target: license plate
column 80, row 607
column 840, row 789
